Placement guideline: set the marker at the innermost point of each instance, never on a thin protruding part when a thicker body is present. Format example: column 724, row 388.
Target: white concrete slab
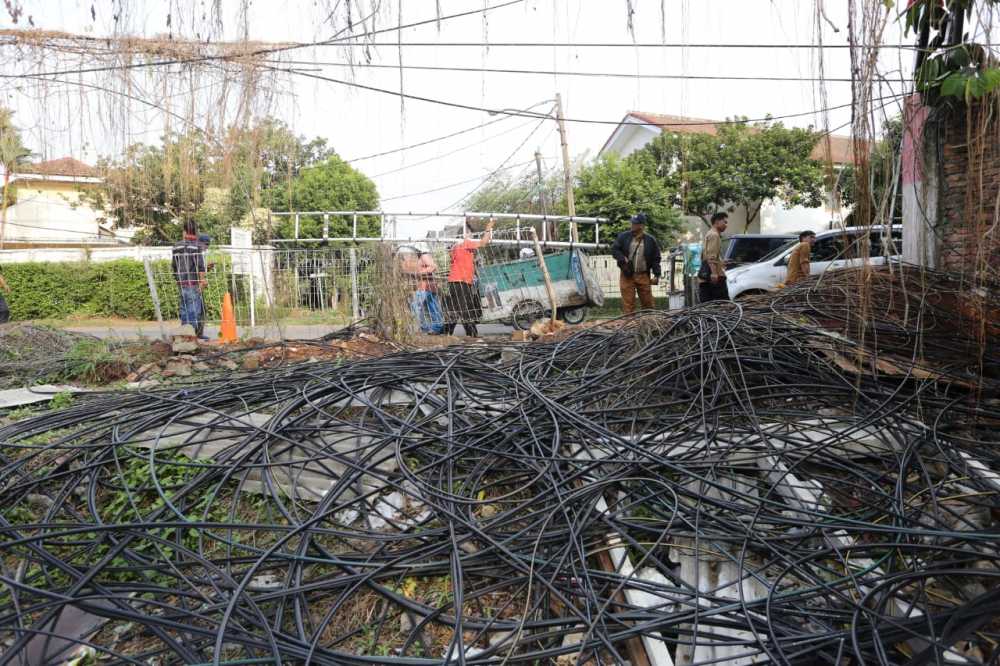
column 11, row 398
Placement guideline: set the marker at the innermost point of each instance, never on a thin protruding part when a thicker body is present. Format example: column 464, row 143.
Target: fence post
column 355, row 301
column 154, row 295
column 272, row 311
column 354, row 227
column 253, row 296
column 296, row 226
column 326, row 226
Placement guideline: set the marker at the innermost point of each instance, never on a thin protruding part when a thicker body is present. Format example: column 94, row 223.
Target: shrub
column 107, row 289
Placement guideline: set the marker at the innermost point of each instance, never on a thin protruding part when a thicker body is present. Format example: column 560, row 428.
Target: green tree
column 12, row 154
column 259, row 161
column 742, row 165
column 523, row 194
column 617, row 188
column 331, row 185
column 215, row 182
column 156, row 187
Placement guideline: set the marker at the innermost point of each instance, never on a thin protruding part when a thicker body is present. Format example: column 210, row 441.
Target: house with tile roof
column 52, row 209
column 639, row 128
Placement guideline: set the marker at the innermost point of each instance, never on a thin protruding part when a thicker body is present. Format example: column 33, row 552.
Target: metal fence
column 424, row 285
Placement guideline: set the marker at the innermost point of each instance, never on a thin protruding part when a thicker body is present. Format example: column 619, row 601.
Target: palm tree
column 12, row 154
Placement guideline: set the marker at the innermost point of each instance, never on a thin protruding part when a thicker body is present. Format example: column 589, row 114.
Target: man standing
column 4, row 310
column 188, row 263
column 638, row 256
column 712, row 274
column 464, row 303
column 798, row 260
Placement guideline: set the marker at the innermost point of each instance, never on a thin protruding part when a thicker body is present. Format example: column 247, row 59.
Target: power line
column 336, row 41
column 512, row 112
column 631, row 45
column 452, row 152
column 455, row 184
column 501, row 167
column 622, row 75
column 446, row 136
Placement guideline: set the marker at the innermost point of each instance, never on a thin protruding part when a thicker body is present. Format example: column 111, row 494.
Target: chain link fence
column 449, row 282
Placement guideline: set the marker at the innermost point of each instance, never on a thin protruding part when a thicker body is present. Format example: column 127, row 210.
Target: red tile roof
column 64, row 166
column 841, row 147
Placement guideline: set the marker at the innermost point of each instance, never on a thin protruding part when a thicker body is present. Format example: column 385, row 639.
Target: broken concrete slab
column 12, row 398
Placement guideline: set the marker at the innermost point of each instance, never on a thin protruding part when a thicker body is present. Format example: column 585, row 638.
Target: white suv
column 832, row 250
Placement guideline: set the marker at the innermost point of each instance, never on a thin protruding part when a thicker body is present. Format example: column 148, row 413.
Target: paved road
column 268, row 332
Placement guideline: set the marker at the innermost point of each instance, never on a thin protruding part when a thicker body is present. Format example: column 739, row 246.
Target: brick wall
column 967, row 213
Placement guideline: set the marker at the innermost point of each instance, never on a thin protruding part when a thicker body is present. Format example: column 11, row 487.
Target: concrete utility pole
column 567, row 174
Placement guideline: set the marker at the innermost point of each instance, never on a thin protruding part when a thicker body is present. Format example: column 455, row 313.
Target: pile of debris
column 735, row 483
column 29, row 351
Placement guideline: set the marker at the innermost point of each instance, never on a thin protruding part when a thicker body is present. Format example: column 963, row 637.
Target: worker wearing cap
column 712, row 274
column 798, row 260
column 638, row 257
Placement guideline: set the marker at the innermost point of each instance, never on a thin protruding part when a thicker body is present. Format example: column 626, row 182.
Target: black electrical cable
column 785, row 489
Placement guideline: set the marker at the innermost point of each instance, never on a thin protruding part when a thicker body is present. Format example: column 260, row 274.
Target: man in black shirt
column 638, row 257
column 188, row 264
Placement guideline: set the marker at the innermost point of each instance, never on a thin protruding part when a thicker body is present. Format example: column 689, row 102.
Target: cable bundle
column 810, row 478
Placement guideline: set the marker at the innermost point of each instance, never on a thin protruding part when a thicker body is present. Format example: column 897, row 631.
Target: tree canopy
column 617, row 188
column 331, row 185
column 218, row 182
column 742, row 164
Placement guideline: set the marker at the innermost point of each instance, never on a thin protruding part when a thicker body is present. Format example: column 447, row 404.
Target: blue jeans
column 427, row 311
column 192, row 307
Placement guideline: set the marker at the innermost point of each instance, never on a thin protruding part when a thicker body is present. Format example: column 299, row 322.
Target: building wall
column 51, row 211
column 966, row 215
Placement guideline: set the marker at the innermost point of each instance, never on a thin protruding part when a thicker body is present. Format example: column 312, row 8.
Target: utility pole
column 547, row 229
column 570, row 203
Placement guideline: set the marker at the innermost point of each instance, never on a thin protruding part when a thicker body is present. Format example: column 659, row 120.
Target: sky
column 439, row 176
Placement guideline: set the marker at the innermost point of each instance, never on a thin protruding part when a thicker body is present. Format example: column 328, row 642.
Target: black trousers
column 4, row 311
column 713, row 291
column 463, row 305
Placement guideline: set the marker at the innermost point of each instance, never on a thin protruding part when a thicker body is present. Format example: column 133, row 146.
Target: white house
column 52, row 208
column 638, row 128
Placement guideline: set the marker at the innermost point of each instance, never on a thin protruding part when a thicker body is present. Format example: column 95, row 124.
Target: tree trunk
column 3, row 212
column 750, row 217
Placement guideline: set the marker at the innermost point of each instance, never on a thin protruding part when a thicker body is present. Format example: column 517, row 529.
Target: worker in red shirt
column 464, row 303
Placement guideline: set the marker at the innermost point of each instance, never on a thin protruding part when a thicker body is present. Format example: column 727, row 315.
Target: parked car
column 740, row 249
column 834, row 249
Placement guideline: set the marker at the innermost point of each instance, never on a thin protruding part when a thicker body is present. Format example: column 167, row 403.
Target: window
column 828, row 249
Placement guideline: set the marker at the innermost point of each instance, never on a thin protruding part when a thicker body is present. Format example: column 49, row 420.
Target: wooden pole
column 567, row 172
column 545, row 274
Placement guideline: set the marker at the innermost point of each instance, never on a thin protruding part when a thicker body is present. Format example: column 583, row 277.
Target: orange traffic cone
column 227, row 333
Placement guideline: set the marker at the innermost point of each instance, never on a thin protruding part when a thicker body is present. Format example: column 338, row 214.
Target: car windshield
column 777, row 253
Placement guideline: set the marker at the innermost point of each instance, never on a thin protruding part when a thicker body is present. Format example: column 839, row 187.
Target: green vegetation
column 618, row 188
column 220, row 182
column 742, row 164
column 108, row 289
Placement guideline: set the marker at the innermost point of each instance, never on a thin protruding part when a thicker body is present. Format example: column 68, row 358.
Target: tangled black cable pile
column 734, row 483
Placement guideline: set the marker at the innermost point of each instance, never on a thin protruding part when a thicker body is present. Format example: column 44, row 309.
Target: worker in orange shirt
column 464, row 303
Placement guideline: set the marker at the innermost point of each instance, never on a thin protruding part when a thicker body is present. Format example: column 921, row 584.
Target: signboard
column 241, row 239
